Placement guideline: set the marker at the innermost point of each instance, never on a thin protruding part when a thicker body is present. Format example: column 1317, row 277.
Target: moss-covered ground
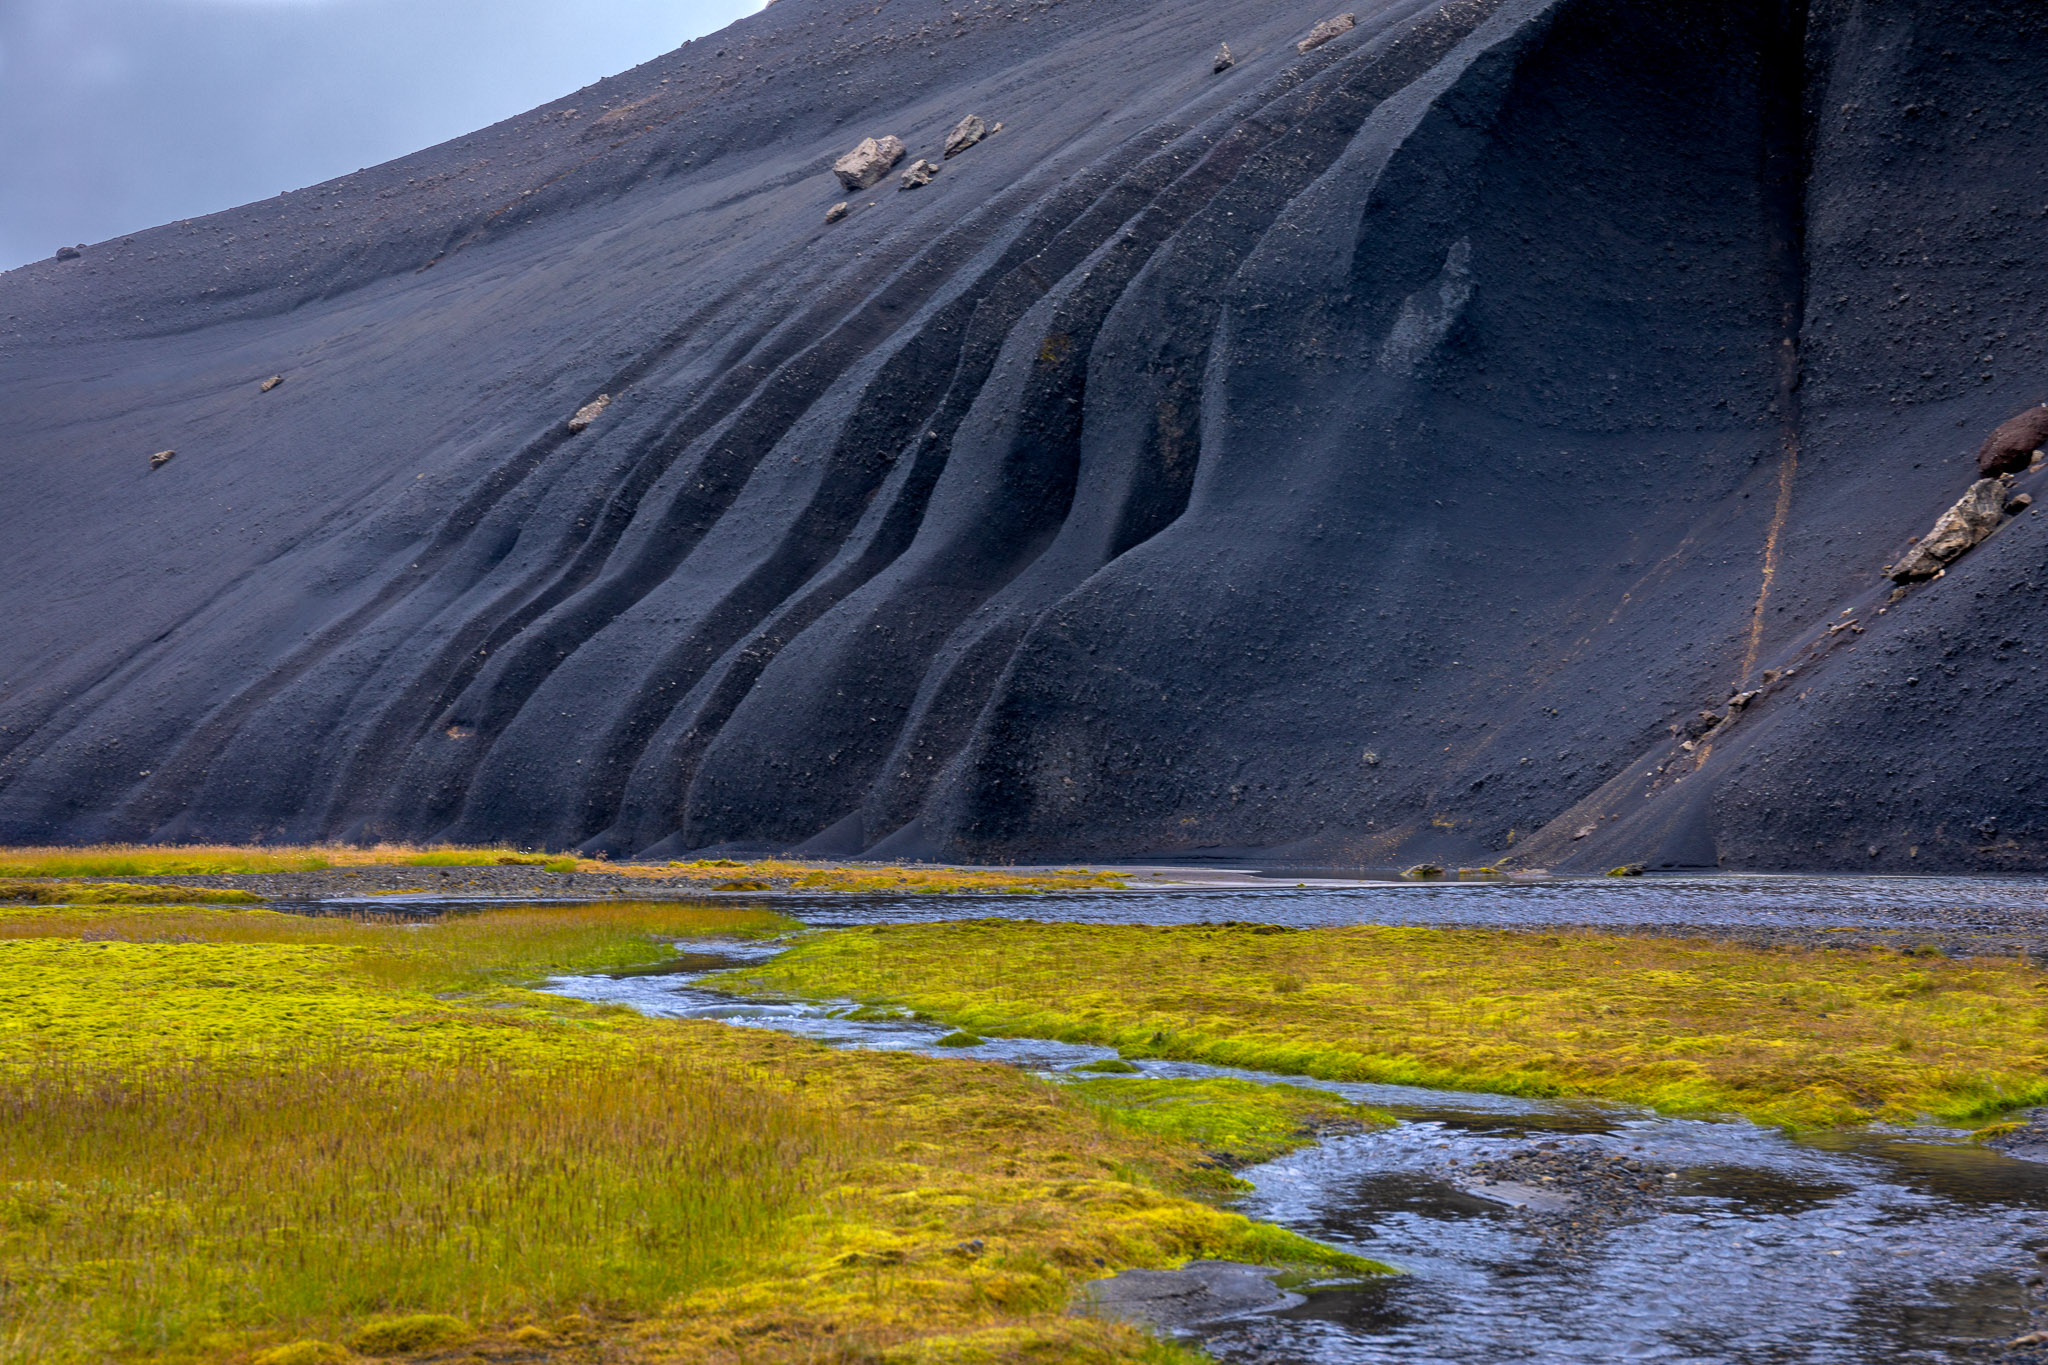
column 1799, row 1037
column 712, row 874
column 233, row 1135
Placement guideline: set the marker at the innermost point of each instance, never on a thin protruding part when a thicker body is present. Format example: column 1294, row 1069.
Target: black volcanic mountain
column 1375, row 453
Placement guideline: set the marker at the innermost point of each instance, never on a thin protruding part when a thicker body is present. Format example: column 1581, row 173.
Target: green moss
column 226, row 1129
column 1242, row 1122
column 1799, row 1037
column 304, row 1353
column 1113, row 1066
column 959, row 1039
column 118, row 893
column 411, row 1333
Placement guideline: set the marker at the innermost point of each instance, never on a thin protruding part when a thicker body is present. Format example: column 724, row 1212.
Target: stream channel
column 1723, row 1243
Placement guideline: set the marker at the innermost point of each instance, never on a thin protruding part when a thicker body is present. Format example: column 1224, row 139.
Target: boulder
column 2018, row 503
column 919, row 175
column 160, row 459
column 70, row 253
column 866, row 164
column 267, row 385
column 1326, row 30
column 1224, row 61
column 965, row 134
column 588, row 413
column 2011, row 448
column 838, row 211
column 1978, row 513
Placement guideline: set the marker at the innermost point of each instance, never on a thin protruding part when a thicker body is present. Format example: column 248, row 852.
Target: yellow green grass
column 116, row 893
column 225, row 860
column 712, row 874
column 1797, row 1037
column 242, row 1136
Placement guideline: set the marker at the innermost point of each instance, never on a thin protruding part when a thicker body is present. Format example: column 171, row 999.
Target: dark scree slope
column 1369, row 455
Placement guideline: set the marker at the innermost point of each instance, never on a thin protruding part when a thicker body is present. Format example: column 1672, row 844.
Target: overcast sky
column 117, row 115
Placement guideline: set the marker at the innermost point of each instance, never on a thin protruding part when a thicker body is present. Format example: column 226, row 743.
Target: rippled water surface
column 1873, row 1247
column 1979, row 905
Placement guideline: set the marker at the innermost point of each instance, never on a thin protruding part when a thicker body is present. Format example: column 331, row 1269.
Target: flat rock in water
column 1200, row 1291
column 1534, row 1198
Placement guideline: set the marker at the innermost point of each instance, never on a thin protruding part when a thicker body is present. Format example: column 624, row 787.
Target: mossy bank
column 1794, row 1036
column 241, row 1136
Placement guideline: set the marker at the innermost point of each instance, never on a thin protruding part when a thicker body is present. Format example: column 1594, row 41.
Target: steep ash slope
column 1361, row 455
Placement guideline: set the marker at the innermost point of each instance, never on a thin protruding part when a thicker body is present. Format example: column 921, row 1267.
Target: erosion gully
column 1653, row 1239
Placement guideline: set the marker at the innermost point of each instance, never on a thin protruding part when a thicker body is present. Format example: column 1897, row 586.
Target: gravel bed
column 1570, row 1193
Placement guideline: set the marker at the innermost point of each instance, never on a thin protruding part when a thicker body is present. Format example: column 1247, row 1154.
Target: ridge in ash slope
column 1365, row 454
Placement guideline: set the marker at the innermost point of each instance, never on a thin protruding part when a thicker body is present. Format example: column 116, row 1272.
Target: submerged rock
column 1976, row 514
column 1326, row 30
column 2010, row 448
column 867, row 163
column 1200, row 1291
column 965, row 134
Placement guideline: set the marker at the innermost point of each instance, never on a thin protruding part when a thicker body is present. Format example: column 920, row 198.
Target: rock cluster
column 864, row 166
column 1326, row 30
column 1979, row 512
column 1572, row 1192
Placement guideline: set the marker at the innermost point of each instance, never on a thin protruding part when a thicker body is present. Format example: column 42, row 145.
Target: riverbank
column 238, row 1136
column 1793, row 1036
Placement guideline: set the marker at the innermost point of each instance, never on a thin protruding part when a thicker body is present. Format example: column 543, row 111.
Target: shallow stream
column 1726, row 1244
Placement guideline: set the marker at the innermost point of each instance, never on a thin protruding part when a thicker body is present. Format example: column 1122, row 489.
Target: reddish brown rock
column 2011, row 448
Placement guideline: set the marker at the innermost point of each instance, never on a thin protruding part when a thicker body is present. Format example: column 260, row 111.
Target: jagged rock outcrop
column 1979, row 512
column 1486, row 391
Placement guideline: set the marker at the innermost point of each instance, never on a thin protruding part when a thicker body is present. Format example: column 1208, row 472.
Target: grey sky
column 117, row 115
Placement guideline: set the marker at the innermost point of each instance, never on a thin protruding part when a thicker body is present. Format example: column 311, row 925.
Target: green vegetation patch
column 237, row 1135
column 1800, row 1037
column 1240, row 1123
column 118, row 893
column 226, row 860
